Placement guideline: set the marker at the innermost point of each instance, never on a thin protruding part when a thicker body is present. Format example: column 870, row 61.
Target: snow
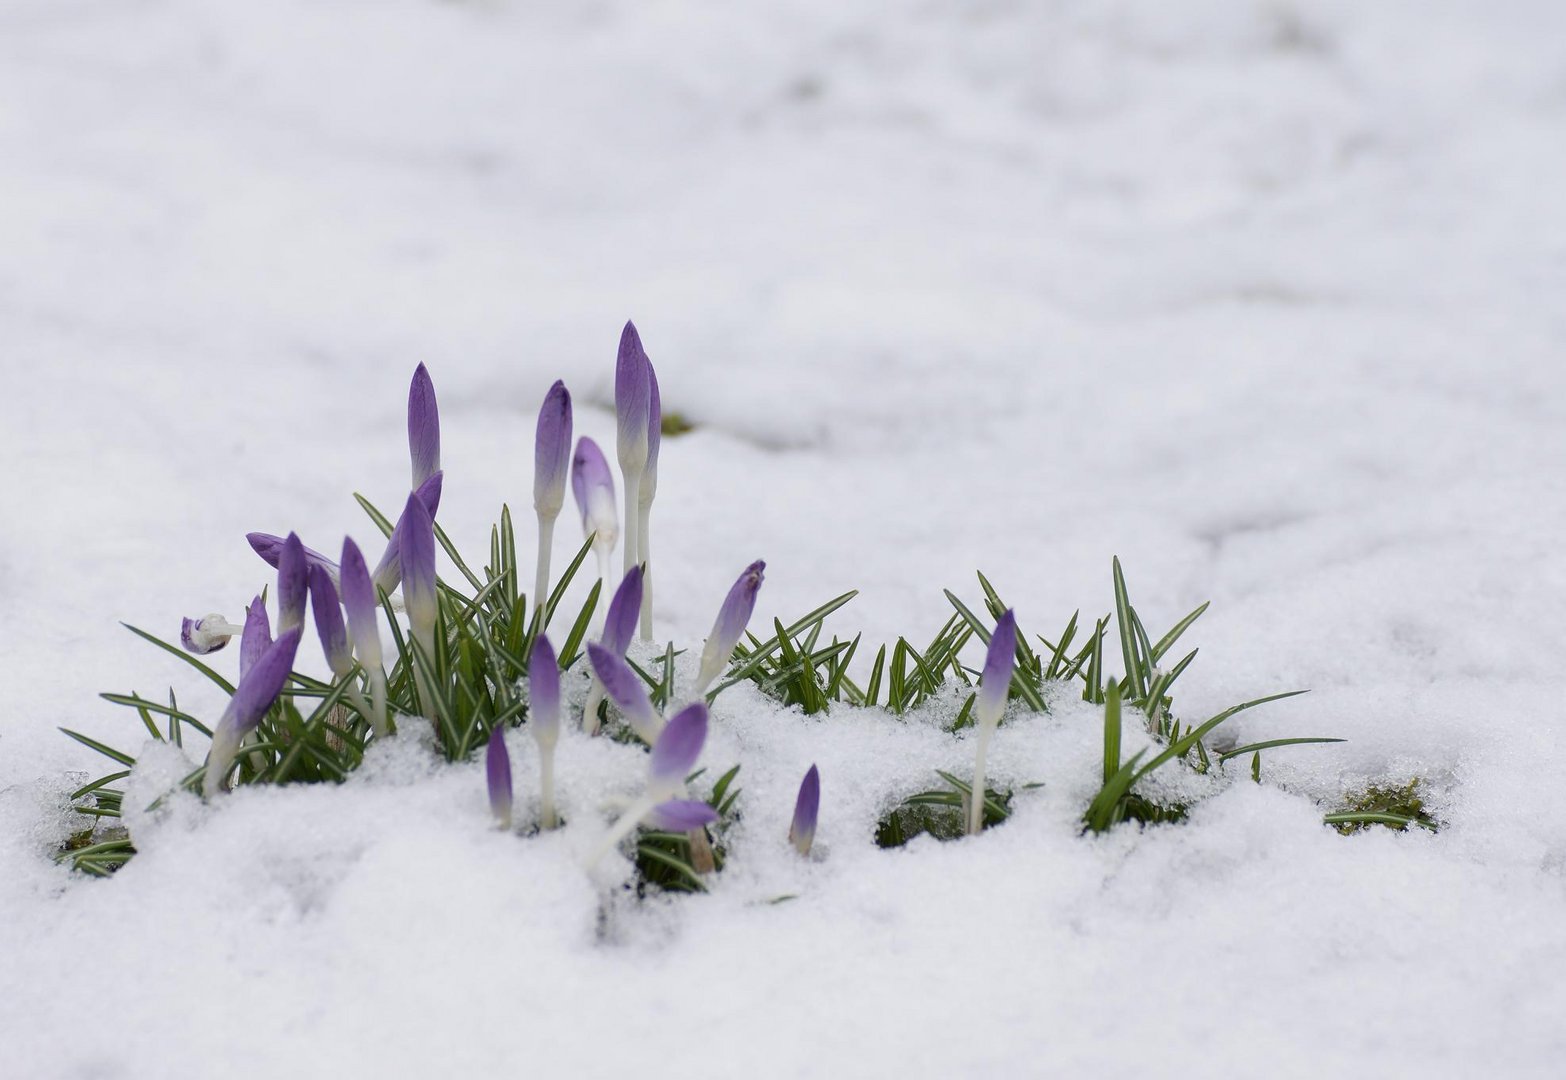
column 1263, row 298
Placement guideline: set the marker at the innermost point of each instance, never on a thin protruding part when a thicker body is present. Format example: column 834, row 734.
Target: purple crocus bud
column 681, row 815
column 388, row 573
column 620, row 624
column 995, row 682
column 627, row 690
column 543, row 692
column 293, row 585
column 360, row 600
column 593, row 486
column 257, row 638
column 497, row 767
column 418, row 570
column 730, row 625
column 654, row 437
column 803, row 830
column 675, row 753
column 329, row 623
column 632, row 400
column 423, row 426
column 207, row 634
column 552, row 451
column 254, row 695
column 270, row 548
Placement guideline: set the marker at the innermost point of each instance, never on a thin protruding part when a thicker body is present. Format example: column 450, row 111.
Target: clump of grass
column 1391, row 806
column 941, row 813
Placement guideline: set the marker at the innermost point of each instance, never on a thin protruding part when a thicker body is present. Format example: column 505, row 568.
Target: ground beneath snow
column 1264, row 298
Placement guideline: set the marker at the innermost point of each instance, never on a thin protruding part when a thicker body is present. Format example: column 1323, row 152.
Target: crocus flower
column 802, row 832
column 254, row 695
column 364, row 630
column 388, row 572
column 329, row 623
column 649, row 491
column 627, row 690
column 418, row 572
column 543, row 699
column 423, row 426
column 497, row 768
column 994, row 685
column 207, row 634
column 293, row 585
column 619, row 628
column 632, row 401
column 593, row 487
column 730, row 624
column 270, row 548
column 681, row 815
column 551, row 464
column 673, row 757
column 257, row 638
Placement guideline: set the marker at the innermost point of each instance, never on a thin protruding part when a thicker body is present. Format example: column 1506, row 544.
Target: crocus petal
column 257, row 690
column 675, row 753
column 631, row 401
column 593, row 486
column 360, row 600
column 543, row 690
column 207, row 634
column 620, row 623
column 293, row 584
column 388, row 572
column 654, row 437
column 270, row 548
column 995, row 682
column 257, row 637
column 329, row 623
column 497, row 768
column 423, row 427
column 681, row 815
column 730, row 623
column 552, row 451
column 626, row 689
column 803, row 830
column 418, row 567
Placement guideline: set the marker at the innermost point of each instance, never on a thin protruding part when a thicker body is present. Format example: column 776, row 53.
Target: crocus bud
column 388, row 573
column 497, row 767
column 543, row 693
column 329, row 623
column 730, row 625
column 364, row 627
column 631, row 402
column 627, row 690
column 257, row 638
column 620, row 624
column 207, row 634
column 995, row 682
column 803, row 830
column 254, row 695
column 552, row 451
column 593, row 487
column 270, row 548
column 654, row 437
column 423, row 427
column 418, row 570
column 674, row 754
column 293, row 585
column 681, row 815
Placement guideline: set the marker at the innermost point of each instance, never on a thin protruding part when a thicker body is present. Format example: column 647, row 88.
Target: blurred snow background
column 1265, row 298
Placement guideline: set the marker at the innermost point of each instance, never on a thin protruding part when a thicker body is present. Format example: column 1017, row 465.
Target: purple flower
column 730, row 625
column 497, row 767
column 674, row 754
column 620, row 625
column 270, row 548
column 543, row 689
column 418, row 570
column 423, row 427
column 627, row 690
column 293, row 585
column 995, row 682
column 207, row 634
column 389, row 571
column 593, row 487
column 681, row 815
column 360, row 600
column 257, row 638
column 803, row 830
column 552, row 451
column 254, row 695
column 329, row 623
column 632, row 402
column 654, row 437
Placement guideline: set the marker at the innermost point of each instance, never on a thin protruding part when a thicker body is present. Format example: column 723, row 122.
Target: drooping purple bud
column 543, row 692
column 329, row 623
column 620, row 623
column 207, row 634
column 423, row 427
column 254, row 695
column 995, row 682
column 418, row 569
column 627, row 690
column 270, row 548
column 497, row 767
column 359, row 598
column 730, row 624
column 802, row 833
column 674, row 754
column 632, row 399
column 552, row 451
column 654, row 436
column 388, row 572
column 257, row 638
column 681, row 815
column 293, row 585
column 593, row 486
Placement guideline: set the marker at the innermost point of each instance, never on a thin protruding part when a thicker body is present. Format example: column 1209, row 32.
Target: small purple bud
column 543, row 691
column 626, row 689
column 632, row 400
column 654, row 437
column 803, row 831
column 270, row 548
column 674, row 754
column 681, row 815
column 552, row 451
column 257, row 690
column 730, row 624
column 995, row 682
column 329, row 623
column 497, row 766
column 418, row 569
column 257, row 638
column 207, row 634
column 593, row 486
column 388, row 573
column 359, row 598
column 293, row 585
column 620, row 623
column 423, row 427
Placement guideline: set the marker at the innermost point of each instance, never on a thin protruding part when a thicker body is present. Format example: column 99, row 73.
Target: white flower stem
column 633, row 499
column 602, row 612
column 644, row 552
column 595, row 697
column 976, row 798
column 546, row 544
column 546, row 787
column 621, row 829
column 378, row 702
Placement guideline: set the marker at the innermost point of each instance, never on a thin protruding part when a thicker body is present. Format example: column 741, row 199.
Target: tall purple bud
column 293, row 585
column 620, row 623
column 270, row 548
column 675, row 752
column 802, row 833
column 649, row 491
column 423, row 427
column 254, row 695
column 593, row 487
column 551, row 466
column 388, row 572
column 543, row 699
column 329, row 623
column 627, row 690
column 257, row 638
column 418, row 572
column 497, row 769
column 994, row 685
column 207, row 634
column 364, row 629
column 632, row 405
column 730, row 625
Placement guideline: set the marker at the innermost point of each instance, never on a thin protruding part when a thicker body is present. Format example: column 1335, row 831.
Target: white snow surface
column 1264, row 298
